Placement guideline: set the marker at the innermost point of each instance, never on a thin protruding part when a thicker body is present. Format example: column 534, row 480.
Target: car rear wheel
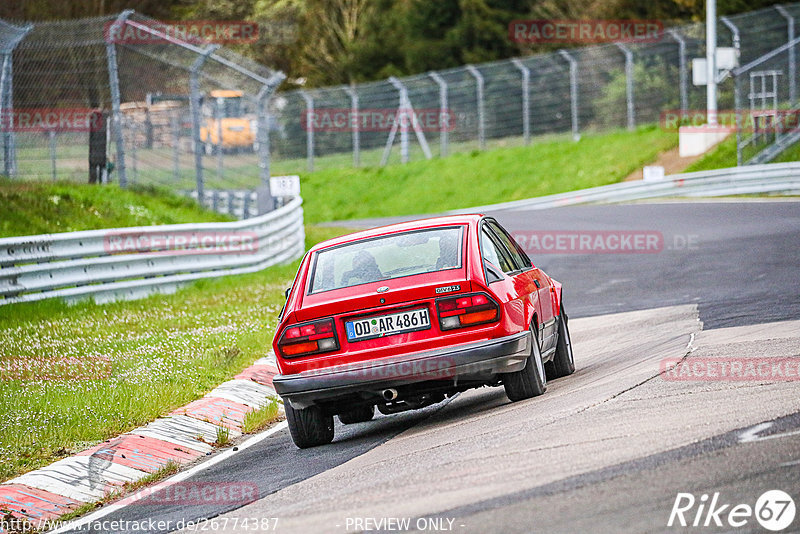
column 563, row 363
column 357, row 415
column 309, row 427
column 531, row 381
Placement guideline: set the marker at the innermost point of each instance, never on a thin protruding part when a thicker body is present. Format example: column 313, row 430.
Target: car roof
column 416, row 224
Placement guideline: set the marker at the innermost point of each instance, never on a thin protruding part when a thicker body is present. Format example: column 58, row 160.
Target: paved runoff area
column 649, row 393
column 181, row 437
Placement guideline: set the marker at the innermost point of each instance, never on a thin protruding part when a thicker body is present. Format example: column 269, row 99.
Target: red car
column 402, row 316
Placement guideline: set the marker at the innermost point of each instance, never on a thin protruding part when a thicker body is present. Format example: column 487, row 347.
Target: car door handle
column 537, row 283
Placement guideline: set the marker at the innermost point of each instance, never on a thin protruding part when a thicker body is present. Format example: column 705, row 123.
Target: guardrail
column 779, row 178
column 129, row 263
column 239, row 203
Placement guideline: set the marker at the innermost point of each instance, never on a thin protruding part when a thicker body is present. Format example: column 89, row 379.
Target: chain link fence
column 189, row 115
column 163, row 110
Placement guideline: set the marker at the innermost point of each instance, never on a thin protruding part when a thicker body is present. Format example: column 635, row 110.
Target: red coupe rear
column 403, row 316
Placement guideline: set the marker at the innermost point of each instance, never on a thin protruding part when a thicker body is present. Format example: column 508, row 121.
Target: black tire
column 531, row 381
column 563, row 363
column 309, row 427
column 357, row 415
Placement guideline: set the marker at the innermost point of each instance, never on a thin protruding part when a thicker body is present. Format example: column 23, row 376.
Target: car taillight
column 308, row 338
column 466, row 310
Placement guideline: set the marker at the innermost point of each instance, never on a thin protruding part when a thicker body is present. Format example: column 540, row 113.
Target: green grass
column 475, row 178
column 162, row 352
column 42, row 207
column 258, row 419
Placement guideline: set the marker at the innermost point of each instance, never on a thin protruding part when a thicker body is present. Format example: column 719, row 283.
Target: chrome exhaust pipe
column 390, row 394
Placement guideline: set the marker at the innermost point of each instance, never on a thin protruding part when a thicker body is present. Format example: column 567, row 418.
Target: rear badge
column 383, row 289
column 447, row 289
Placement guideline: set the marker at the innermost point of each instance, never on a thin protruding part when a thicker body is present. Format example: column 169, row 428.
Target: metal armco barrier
column 778, row 178
column 129, row 263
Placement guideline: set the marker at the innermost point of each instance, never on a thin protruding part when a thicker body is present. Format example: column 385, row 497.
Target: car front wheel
column 531, row 381
column 309, row 427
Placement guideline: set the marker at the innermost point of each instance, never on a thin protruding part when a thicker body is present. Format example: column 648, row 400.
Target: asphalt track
column 605, row 450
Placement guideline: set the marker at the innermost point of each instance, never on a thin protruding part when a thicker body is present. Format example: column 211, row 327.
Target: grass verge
column 41, row 207
column 477, row 178
column 724, row 155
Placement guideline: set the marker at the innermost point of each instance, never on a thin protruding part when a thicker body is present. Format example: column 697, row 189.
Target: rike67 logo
column 774, row 510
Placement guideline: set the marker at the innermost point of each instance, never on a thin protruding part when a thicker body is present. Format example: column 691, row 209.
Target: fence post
column 220, row 163
column 113, row 82
column 351, row 91
column 134, row 161
column 737, row 104
column 481, row 116
column 309, row 129
column 734, row 31
column 682, row 69
column 194, row 95
column 526, row 115
column 7, row 102
column 443, row 105
column 573, row 91
column 403, row 117
column 792, row 66
column 628, row 83
column 262, row 138
column 176, row 140
column 52, row 135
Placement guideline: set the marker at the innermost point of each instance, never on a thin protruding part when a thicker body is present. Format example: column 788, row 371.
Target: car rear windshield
column 387, row 257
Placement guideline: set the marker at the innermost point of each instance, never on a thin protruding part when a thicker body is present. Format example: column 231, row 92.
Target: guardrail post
column 444, row 125
column 356, row 123
column 194, row 92
column 682, row 69
column 792, row 66
column 573, row 91
column 481, row 115
column 526, row 97
column 628, row 84
column 309, row 130
column 7, row 102
column 113, row 82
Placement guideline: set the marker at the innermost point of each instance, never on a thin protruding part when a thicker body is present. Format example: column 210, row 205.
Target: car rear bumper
column 471, row 361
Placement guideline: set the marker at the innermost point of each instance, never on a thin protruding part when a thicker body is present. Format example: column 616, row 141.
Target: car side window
column 518, row 255
column 493, row 252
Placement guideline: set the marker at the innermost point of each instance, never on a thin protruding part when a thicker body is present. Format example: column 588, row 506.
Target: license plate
column 387, row 325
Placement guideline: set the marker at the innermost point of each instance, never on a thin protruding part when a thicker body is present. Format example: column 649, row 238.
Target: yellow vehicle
column 225, row 124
